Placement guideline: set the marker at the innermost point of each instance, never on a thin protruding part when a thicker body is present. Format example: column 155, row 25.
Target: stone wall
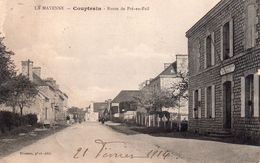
column 243, row 60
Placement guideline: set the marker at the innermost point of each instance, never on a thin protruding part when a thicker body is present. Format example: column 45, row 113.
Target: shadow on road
column 133, row 130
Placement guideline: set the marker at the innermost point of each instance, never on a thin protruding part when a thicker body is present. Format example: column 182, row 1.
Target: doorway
column 227, row 104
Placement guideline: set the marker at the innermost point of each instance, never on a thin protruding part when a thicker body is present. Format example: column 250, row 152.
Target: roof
column 126, row 96
column 169, row 71
column 212, row 13
column 38, row 81
column 99, row 106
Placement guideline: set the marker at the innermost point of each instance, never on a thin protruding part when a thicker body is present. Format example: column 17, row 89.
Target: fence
column 155, row 121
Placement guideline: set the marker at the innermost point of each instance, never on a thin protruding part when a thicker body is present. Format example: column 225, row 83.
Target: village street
column 94, row 142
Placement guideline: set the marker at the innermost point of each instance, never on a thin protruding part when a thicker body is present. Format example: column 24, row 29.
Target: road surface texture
column 96, row 143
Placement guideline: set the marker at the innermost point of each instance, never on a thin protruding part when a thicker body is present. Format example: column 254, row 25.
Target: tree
column 180, row 92
column 21, row 92
column 7, row 70
column 180, row 88
column 78, row 113
column 155, row 100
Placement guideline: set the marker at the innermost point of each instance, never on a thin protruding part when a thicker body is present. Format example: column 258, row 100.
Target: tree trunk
column 13, row 109
column 21, row 111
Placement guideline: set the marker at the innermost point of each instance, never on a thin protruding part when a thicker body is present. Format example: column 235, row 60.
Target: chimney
column 37, row 71
column 27, row 69
column 166, row 65
column 52, row 82
column 182, row 63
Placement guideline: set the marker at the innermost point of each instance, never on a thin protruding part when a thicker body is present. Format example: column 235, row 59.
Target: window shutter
column 193, row 104
column 199, row 108
column 212, row 48
column 231, row 32
column 243, row 100
column 221, row 44
column 213, row 115
column 256, row 95
column 205, row 53
column 251, row 25
column 206, row 102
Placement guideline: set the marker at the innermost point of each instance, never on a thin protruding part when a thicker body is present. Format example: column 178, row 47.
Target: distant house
column 166, row 81
column 124, row 105
column 96, row 110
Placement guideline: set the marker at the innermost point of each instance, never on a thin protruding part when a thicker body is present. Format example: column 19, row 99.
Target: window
column 208, row 51
column 46, row 113
column 249, row 95
column 209, row 102
column 197, row 104
column 250, row 25
column 227, row 40
column 195, row 56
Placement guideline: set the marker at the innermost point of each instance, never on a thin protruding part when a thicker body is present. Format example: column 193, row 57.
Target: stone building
column 224, row 63
column 51, row 103
column 165, row 81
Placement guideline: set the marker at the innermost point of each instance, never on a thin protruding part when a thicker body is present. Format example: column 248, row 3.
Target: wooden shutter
column 243, row 100
column 193, row 104
column 213, row 101
column 231, row 37
column 212, row 48
column 251, row 26
column 206, row 102
column 199, row 107
column 256, row 95
column 205, row 53
column 221, row 44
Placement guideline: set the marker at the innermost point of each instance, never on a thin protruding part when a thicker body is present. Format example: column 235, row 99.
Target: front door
column 227, row 98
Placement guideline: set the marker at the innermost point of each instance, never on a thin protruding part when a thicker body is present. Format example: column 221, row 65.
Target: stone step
column 221, row 134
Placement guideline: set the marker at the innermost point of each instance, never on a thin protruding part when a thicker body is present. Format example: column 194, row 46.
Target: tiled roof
column 171, row 70
column 126, row 96
column 38, row 81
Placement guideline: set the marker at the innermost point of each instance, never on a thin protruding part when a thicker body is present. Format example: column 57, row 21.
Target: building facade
column 124, row 105
column 96, row 111
column 167, row 80
column 224, row 63
column 50, row 104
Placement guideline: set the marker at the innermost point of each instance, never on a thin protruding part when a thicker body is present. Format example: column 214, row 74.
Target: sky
column 93, row 55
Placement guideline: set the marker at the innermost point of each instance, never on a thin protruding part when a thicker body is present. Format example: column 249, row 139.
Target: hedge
column 9, row 120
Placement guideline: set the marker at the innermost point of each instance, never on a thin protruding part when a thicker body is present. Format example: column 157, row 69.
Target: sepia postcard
column 129, row 81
